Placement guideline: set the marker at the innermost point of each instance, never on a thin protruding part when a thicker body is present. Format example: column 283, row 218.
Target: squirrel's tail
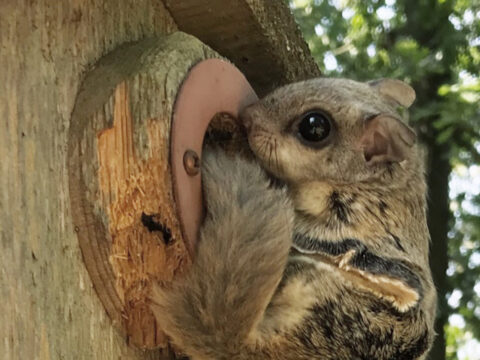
column 241, row 255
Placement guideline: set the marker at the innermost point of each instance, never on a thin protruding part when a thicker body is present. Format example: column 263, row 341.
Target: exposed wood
column 259, row 36
column 120, row 177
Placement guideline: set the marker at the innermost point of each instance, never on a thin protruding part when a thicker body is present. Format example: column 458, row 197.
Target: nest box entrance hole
column 135, row 148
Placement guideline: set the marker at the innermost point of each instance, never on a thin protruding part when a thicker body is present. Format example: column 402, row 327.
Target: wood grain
column 259, row 36
column 120, row 177
column 49, row 308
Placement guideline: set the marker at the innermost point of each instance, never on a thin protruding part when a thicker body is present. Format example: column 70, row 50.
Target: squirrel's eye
column 314, row 127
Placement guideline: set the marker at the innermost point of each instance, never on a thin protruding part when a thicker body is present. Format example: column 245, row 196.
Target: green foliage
column 465, row 255
column 435, row 46
column 453, row 334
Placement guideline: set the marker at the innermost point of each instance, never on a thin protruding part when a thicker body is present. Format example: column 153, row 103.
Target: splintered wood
column 120, row 181
column 146, row 241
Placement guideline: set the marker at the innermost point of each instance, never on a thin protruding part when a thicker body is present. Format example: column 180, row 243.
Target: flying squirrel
column 332, row 265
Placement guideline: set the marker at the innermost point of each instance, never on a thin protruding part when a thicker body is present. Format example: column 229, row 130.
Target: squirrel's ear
column 386, row 139
column 397, row 90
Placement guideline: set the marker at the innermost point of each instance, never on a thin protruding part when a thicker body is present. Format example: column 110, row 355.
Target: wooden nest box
column 108, row 103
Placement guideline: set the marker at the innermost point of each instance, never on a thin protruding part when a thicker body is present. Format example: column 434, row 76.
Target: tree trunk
column 439, row 169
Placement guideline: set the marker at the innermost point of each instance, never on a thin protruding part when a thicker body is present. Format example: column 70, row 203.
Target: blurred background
column 435, row 46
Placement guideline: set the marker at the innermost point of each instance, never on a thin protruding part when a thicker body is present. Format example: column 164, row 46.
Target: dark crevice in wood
column 149, row 221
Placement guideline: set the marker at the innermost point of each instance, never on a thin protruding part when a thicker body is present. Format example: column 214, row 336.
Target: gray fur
column 241, row 255
column 356, row 284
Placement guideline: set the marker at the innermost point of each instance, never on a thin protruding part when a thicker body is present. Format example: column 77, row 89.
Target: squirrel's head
column 335, row 130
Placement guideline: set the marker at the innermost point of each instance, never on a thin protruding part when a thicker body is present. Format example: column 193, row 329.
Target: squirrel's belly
column 343, row 322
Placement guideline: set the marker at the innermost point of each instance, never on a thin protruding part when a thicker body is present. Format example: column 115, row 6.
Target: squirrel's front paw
column 234, row 181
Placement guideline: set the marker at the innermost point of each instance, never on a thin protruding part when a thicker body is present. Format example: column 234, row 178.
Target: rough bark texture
column 49, row 308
